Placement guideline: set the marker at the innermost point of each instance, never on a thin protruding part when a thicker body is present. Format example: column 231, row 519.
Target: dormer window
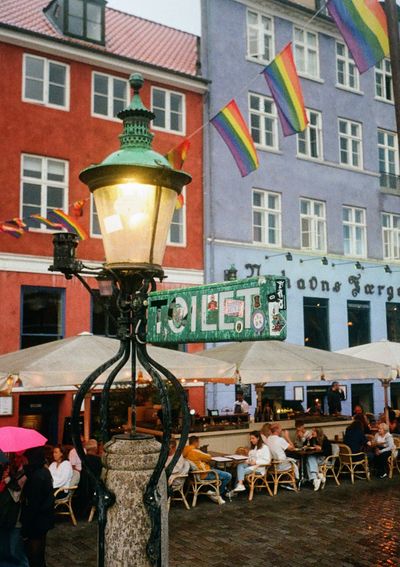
column 83, row 19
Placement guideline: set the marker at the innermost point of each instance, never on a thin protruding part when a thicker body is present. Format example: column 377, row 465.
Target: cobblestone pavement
column 346, row 526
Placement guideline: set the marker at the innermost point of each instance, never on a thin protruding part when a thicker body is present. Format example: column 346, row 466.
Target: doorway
column 317, row 393
column 40, row 413
column 395, row 396
column 362, row 395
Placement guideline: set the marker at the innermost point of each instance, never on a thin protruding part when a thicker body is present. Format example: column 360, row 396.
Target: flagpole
column 394, row 43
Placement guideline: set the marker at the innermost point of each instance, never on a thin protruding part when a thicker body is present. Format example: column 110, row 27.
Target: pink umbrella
column 13, row 439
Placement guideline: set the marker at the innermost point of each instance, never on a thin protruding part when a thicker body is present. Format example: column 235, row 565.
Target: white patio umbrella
column 276, row 361
column 68, row 362
column 384, row 351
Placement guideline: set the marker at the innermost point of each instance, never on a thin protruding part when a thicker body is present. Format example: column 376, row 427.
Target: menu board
column 6, row 405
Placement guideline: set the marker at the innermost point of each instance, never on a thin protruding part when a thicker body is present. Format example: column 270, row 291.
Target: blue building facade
column 324, row 206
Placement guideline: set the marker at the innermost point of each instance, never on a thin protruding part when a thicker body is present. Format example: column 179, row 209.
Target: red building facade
column 64, row 77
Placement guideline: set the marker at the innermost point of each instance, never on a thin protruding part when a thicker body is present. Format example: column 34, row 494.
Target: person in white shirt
column 181, row 467
column 60, row 469
column 278, row 445
column 259, row 458
column 383, row 445
column 240, row 406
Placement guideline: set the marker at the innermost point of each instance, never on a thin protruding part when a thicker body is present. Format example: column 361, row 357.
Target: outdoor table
column 301, row 455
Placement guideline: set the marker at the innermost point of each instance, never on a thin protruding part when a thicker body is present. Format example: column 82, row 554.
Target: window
column 260, row 37
column 177, row 231
column 347, row 74
column 169, row 108
column 94, row 218
column 316, row 322
column 104, row 315
column 44, row 187
column 383, row 80
column 110, row 95
column 85, row 19
column 313, row 225
column 350, row 143
column 46, row 82
column 306, row 52
column 263, row 121
column 393, row 322
column 42, row 312
column 309, row 142
column 388, row 159
column 354, row 232
column 391, row 236
column 358, row 322
column 267, row 218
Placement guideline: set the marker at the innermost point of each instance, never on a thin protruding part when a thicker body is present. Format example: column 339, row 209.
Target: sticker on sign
column 241, row 310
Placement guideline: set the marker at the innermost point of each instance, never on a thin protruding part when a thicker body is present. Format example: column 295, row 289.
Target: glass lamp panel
column 131, row 216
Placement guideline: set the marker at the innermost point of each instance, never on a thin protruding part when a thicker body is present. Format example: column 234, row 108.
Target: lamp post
column 135, row 191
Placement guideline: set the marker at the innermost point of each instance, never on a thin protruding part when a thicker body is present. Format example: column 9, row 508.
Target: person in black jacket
column 335, row 398
column 356, row 439
column 37, row 514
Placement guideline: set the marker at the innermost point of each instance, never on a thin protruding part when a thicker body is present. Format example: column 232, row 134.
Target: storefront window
column 358, row 322
column 104, row 316
column 42, row 312
column 316, row 322
column 393, row 321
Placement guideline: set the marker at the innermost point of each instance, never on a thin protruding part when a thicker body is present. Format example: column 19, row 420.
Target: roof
column 127, row 36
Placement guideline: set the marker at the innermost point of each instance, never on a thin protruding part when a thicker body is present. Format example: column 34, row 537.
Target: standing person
column 37, row 513
column 85, row 495
column 240, row 406
column 202, row 462
column 259, row 457
column 335, row 398
column 60, row 469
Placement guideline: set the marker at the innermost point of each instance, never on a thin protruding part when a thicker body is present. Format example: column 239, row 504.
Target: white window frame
column 353, row 226
column 265, row 211
column 43, row 181
column 350, row 139
column 306, row 135
column 167, row 128
column 92, row 207
column 315, row 222
column 110, row 99
column 380, row 69
column 45, row 102
column 391, row 237
column 260, row 37
column 273, row 116
column 307, row 49
column 347, row 61
column 182, row 244
column 387, row 148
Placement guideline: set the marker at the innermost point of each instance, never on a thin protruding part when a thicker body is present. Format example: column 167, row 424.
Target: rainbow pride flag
column 234, row 131
column 14, row 231
column 363, row 26
column 282, row 79
column 45, row 221
column 67, row 222
column 178, row 155
column 180, row 201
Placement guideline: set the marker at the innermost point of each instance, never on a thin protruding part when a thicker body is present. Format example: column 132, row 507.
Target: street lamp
column 135, row 191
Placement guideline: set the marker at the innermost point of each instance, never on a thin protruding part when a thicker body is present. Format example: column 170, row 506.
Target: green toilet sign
column 241, row 310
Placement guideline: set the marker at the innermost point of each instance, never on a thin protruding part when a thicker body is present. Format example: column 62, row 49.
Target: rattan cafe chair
column 355, row 464
column 330, row 466
column 178, row 490
column 63, row 505
column 286, row 476
column 199, row 485
column 259, row 480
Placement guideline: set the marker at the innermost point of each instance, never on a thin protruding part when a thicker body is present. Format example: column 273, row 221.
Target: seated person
column 181, row 467
column 278, row 445
column 265, row 432
column 259, row 457
column 301, row 436
column 321, row 443
column 201, row 461
column 355, row 438
column 360, row 415
column 60, row 469
column 383, row 446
